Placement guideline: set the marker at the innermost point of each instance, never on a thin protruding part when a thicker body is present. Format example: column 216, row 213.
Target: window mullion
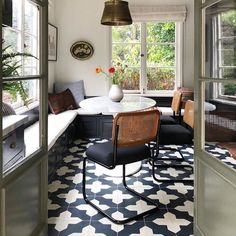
column 143, row 68
column 219, row 47
column 23, row 33
column 178, row 54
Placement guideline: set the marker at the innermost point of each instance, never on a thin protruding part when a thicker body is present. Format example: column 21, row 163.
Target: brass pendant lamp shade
column 116, row 13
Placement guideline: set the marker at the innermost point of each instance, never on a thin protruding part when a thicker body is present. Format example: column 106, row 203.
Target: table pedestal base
column 117, row 171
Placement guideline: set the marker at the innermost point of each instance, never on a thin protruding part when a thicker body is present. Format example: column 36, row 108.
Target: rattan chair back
column 176, row 101
column 135, row 128
column 189, row 113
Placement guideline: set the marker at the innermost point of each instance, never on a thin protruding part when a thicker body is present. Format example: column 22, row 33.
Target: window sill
column 24, row 109
column 224, row 101
column 157, row 94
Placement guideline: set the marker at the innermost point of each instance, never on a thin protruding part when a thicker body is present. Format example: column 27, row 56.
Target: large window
column 22, row 42
column 150, row 50
column 224, row 53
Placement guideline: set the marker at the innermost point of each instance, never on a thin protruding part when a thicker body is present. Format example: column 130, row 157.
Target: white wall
column 51, row 64
column 80, row 20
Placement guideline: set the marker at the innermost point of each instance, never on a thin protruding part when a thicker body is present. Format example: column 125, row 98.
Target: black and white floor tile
column 68, row 214
column 222, row 154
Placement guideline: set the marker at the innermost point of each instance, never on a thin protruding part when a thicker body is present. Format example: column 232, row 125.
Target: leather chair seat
column 167, row 120
column 102, row 153
column 175, row 134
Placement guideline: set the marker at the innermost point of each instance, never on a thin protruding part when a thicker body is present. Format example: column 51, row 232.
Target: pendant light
column 116, row 12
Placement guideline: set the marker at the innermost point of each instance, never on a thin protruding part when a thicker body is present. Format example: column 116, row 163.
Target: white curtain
column 158, row 13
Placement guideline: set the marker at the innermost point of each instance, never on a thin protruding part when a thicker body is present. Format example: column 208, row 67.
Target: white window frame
column 143, row 65
column 34, row 100
column 217, row 61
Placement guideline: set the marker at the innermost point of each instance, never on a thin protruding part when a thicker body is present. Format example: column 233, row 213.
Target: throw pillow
column 76, row 88
column 61, row 102
column 69, row 101
column 56, row 103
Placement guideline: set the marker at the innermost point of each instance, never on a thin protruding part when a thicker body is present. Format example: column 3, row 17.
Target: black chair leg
column 142, row 197
column 109, row 216
column 92, row 204
column 154, row 165
column 172, row 158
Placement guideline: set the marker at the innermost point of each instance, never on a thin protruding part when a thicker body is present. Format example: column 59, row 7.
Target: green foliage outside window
column 160, row 63
column 228, row 52
column 230, row 89
column 11, row 63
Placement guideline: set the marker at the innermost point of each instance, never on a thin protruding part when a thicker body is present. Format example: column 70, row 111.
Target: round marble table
column 105, row 106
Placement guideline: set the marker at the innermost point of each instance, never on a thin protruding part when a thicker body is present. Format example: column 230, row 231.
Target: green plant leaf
column 10, row 65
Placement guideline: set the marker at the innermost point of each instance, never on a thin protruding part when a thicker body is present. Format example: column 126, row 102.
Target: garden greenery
column 11, row 63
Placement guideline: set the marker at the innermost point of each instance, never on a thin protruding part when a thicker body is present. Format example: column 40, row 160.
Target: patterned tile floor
column 68, row 214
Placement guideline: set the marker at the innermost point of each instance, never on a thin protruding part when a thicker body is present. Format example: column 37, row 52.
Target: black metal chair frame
column 171, row 165
column 124, row 183
column 179, row 114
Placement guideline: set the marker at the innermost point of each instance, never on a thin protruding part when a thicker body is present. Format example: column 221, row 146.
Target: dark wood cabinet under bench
column 94, row 126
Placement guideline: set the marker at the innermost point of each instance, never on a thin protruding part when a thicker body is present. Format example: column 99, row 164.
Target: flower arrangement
column 115, row 73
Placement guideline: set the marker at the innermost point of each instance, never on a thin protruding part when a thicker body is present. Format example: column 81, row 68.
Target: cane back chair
column 175, row 109
column 177, row 135
column 131, row 132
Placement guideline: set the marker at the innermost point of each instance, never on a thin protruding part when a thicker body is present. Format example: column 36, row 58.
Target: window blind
column 158, row 13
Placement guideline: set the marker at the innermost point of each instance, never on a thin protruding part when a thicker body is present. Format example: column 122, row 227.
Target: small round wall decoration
column 81, row 50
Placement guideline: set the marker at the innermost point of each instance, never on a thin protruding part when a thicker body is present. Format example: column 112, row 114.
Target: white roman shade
column 158, row 13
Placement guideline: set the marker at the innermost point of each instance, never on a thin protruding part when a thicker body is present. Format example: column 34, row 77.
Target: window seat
column 62, row 130
column 57, row 124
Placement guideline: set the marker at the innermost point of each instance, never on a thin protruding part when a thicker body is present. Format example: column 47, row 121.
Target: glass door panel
column 220, row 123
column 20, row 87
column 220, row 90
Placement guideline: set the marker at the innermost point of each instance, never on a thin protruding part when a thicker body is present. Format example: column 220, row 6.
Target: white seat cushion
column 209, row 106
column 57, row 124
column 166, row 111
column 82, row 111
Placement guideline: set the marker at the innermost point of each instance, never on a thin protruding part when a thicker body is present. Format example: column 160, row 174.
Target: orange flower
column 98, row 70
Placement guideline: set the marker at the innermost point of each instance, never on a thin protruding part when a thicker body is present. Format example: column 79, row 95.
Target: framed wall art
column 52, row 42
column 81, row 50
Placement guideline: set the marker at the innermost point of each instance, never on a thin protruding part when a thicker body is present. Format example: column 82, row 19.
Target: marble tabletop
column 105, row 106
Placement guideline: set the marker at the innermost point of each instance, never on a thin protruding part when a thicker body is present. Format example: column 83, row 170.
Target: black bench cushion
column 175, row 134
column 102, row 153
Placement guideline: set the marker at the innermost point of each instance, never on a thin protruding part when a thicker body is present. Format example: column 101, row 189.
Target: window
column 224, row 53
column 22, row 38
column 150, row 50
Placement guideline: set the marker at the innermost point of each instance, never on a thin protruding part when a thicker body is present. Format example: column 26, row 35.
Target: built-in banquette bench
column 68, row 125
column 63, row 129
column 61, row 132
column 65, row 124
column 21, row 137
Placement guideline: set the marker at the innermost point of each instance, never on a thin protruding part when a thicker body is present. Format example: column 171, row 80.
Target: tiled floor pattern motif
column 69, row 214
